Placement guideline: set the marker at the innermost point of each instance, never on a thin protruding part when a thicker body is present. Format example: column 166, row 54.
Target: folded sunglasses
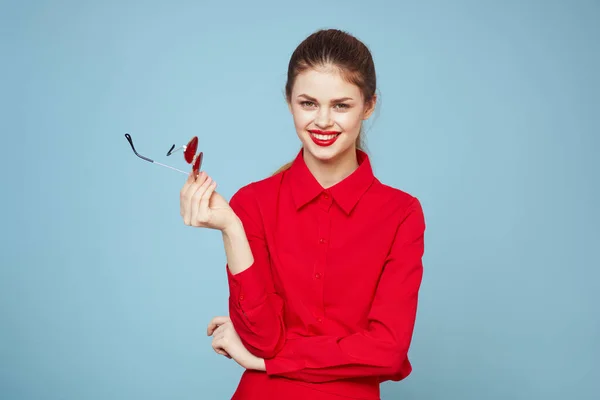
column 189, row 154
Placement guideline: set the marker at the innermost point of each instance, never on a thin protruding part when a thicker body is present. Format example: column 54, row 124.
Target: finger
column 196, row 184
column 200, row 178
column 215, row 346
column 216, row 322
column 199, row 209
column 218, row 333
column 190, row 179
column 218, row 344
column 188, row 202
column 223, row 353
column 185, row 198
column 219, row 350
column 186, row 185
column 205, row 201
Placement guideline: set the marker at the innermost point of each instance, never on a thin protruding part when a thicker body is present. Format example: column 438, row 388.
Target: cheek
column 349, row 121
column 302, row 119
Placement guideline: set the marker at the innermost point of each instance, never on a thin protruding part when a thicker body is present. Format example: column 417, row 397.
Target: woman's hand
column 201, row 206
column 227, row 342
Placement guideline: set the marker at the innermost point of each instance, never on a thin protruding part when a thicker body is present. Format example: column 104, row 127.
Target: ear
column 370, row 107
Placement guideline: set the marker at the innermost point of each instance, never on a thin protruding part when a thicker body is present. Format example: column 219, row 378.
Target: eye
column 343, row 106
column 307, row 104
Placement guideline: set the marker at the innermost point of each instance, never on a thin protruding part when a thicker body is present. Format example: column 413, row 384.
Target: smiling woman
column 331, row 84
column 323, row 260
column 328, row 112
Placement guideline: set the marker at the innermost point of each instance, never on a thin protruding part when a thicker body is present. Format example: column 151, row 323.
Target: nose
column 323, row 118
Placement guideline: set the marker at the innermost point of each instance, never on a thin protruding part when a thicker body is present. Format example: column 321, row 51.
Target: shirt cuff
column 280, row 365
column 247, row 288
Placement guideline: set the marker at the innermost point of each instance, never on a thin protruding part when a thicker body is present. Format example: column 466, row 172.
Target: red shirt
column 331, row 298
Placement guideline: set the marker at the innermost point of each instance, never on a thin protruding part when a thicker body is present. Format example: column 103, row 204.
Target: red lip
column 321, row 142
column 319, row 132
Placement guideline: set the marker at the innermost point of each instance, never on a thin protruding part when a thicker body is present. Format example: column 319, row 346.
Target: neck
column 330, row 172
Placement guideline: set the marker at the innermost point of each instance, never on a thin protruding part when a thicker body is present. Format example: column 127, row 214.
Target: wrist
column 259, row 364
column 233, row 227
column 237, row 248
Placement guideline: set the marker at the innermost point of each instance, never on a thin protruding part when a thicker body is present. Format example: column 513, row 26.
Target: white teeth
column 324, row 137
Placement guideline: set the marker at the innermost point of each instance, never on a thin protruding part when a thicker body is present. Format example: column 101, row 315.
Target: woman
column 323, row 260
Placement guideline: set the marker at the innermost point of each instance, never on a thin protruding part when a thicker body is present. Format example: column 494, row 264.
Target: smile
column 324, row 138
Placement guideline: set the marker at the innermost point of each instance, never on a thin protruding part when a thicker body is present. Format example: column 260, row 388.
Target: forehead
column 324, row 84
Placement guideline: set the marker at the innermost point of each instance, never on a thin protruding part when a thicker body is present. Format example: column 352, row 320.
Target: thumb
column 215, row 323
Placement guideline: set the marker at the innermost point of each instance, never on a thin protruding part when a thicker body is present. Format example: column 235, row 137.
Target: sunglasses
column 189, row 154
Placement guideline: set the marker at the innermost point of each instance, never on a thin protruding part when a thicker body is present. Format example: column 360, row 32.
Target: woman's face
column 328, row 113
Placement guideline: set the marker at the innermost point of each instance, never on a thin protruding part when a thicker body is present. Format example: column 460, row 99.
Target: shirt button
column 241, row 297
column 326, row 196
column 319, row 319
column 317, row 275
column 322, row 241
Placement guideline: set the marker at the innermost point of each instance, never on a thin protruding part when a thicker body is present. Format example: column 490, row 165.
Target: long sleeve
column 255, row 309
column 381, row 349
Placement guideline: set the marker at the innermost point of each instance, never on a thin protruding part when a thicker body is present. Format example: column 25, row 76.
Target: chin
column 325, row 154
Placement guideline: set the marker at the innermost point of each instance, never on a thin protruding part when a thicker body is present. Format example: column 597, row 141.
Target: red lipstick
column 326, row 138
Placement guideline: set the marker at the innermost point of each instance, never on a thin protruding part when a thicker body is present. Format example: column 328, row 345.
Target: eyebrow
column 333, row 101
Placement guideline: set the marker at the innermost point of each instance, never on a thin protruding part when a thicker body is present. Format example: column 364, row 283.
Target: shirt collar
column 345, row 193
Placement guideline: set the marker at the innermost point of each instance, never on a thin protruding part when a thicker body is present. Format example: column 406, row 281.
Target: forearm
column 254, row 308
column 237, row 248
column 326, row 358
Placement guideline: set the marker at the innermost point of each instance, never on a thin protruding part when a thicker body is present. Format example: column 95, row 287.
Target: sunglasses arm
column 171, row 151
column 128, row 136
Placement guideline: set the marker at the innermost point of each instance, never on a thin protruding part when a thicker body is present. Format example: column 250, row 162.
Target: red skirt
column 257, row 385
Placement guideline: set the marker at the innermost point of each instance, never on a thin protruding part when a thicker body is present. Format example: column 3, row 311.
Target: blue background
column 489, row 114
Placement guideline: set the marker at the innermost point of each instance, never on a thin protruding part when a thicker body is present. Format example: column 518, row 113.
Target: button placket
column 325, row 201
column 323, row 236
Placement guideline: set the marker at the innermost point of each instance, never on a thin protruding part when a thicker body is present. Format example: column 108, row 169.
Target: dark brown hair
column 340, row 50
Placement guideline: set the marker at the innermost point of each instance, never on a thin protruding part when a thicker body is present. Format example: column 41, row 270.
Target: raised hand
column 201, row 206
